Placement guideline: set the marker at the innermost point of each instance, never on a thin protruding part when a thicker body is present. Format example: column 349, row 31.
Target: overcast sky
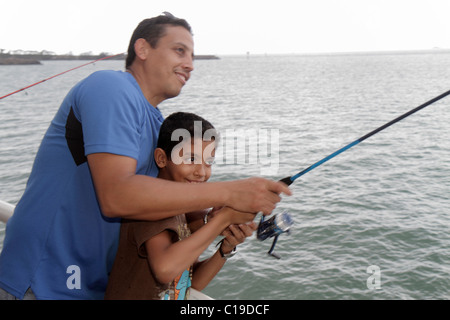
column 232, row 26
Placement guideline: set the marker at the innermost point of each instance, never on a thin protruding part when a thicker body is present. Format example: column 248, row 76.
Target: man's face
column 169, row 65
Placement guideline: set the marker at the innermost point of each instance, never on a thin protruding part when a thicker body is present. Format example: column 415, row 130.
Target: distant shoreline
column 36, row 58
column 30, row 59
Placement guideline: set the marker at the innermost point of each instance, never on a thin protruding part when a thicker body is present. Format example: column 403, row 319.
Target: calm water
column 383, row 205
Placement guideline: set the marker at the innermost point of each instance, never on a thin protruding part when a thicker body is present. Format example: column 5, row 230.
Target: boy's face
column 193, row 164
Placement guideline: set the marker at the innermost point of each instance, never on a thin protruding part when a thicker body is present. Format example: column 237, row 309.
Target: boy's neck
column 163, row 175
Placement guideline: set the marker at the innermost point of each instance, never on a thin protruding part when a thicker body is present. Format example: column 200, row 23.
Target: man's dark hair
column 152, row 30
column 187, row 121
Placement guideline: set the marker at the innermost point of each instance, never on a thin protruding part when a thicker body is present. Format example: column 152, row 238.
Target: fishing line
column 289, row 180
column 57, row 75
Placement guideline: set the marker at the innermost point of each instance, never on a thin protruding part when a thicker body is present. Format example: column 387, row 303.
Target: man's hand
column 257, row 195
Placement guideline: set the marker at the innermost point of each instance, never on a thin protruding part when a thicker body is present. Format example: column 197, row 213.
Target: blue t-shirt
column 58, row 242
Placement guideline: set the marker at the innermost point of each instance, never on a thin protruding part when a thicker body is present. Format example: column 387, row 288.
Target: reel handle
column 271, row 253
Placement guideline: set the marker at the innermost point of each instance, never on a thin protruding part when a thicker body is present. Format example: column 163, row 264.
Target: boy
column 158, row 260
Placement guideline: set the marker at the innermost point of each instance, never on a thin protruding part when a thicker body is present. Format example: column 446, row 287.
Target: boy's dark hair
column 183, row 120
column 152, row 30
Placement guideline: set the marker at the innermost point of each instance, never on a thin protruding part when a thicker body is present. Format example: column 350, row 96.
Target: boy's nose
column 200, row 170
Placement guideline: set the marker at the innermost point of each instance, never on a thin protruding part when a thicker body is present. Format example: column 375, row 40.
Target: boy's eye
column 197, row 160
column 189, row 159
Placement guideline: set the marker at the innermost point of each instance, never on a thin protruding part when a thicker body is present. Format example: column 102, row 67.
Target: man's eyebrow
column 182, row 44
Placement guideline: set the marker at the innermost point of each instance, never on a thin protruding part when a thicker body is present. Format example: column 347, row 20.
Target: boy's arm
column 196, row 219
column 206, row 270
column 123, row 193
column 168, row 260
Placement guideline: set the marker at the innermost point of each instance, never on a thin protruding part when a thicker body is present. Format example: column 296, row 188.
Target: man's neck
column 153, row 100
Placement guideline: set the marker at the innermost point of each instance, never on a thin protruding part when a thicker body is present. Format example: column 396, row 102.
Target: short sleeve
column 140, row 231
column 109, row 109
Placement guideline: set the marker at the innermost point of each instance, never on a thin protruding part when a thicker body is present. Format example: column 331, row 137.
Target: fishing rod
column 289, row 180
column 279, row 224
column 57, row 75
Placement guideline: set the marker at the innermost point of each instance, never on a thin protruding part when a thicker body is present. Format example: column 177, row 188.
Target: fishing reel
column 273, row 227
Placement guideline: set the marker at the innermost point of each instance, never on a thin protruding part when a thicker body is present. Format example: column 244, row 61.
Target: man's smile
column 183, row 77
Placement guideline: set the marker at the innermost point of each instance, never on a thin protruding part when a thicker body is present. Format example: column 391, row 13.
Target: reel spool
column 273, row 227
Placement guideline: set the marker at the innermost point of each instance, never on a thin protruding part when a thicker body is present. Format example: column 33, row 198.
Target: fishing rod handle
column 286, row 181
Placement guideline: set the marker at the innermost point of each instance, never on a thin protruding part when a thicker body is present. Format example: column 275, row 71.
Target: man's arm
column 123, row 193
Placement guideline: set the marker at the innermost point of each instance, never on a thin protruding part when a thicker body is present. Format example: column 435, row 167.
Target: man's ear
column 160, row 158
column 141, row 47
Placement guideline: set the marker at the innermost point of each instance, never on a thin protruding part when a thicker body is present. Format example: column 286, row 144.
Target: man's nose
column 188, row 64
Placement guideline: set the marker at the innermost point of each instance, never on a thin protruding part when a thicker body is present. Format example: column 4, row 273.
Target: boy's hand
column 236, row 234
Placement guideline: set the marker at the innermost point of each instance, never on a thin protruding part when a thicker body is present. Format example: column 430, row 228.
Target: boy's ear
column 160, row 158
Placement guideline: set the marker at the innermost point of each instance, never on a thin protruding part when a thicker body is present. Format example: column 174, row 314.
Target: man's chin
column 173, row 94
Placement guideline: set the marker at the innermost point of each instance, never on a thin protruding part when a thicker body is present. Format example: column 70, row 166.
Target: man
column 95, row 166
